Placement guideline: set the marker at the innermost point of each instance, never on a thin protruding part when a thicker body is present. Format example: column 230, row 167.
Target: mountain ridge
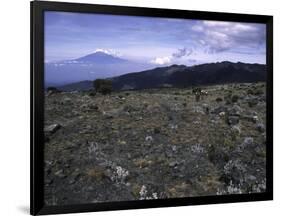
column 186, row 76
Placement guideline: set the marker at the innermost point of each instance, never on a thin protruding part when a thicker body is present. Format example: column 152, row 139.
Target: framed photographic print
column 140, row 107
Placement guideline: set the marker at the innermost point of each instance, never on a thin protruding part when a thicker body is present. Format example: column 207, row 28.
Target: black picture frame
column 37, row 106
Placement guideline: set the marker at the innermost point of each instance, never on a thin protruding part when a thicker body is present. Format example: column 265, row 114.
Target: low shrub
column 234, row 98
column 103, row 86
column 219, row 99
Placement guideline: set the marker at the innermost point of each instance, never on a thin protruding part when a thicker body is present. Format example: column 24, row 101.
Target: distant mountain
column 183, row 76
column 101, row 58
column 96, row 65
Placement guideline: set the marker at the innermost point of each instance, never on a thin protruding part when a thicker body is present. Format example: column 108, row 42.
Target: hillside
column 183, row 76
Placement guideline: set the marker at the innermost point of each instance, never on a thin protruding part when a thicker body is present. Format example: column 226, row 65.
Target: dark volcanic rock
column 233, row 120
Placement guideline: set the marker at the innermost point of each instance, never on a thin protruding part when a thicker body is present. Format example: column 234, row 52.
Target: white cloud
column 181, row 52
column 219, row 36
column 161, row 60
column 217, row 23
column 108, row 51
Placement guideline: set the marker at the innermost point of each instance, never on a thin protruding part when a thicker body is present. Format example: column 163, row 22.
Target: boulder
column 233, row 120
column 248, row 141
column 235, row 111
column 219, row 109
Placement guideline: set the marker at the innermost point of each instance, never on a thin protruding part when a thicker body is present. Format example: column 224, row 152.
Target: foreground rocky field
column 154, row 144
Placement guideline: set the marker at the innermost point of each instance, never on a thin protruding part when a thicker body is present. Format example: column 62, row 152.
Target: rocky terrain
column 154, row 144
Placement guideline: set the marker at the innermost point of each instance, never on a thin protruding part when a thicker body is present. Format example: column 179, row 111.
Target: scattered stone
column 157, row 130
column 52, row 90
column 250, row 118
column 252, row 103
column 122, row 142
column 52, row 128
column 148, row 139
column 139, row 118
column 60, row 174
column 236, row 131
column 84, row 107
column 74, row 178
column 260, row 127
column 233, row 171
column 94, row 107
column 255, row 119
column 66, row 101
column 173, row 164
column 107, row 115
column 198, row 109
column 222, row 114
column 206, row 108
column 173, row 126
column 235, row 111
column 49, row 181
column 219, row 109
column 129, row 108
column 233, row 120
column 248, row 141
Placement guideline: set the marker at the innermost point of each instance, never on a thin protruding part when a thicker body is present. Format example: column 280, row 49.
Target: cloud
column 182, row 52
column 161, row 60
column 108, row 51
column 219, row 36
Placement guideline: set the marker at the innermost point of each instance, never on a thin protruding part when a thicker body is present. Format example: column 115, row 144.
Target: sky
column 159, row 41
